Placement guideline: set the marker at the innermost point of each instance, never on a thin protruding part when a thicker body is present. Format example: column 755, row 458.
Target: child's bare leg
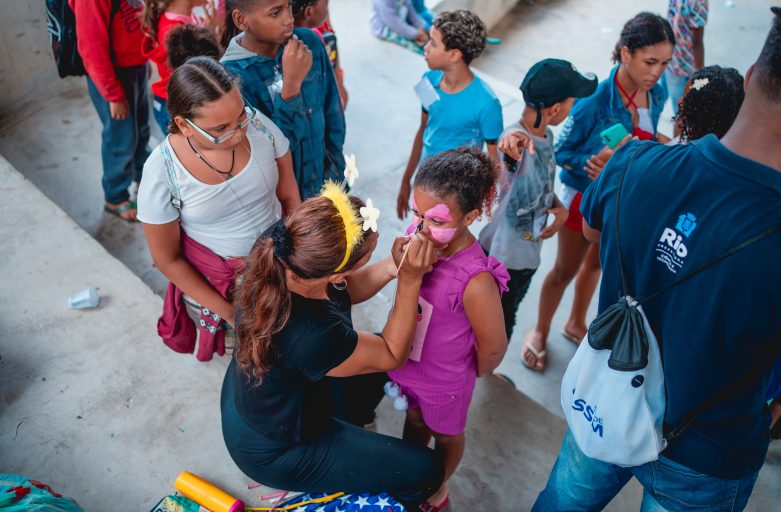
column 415, row 429
column 586, row 284
column 450, row 450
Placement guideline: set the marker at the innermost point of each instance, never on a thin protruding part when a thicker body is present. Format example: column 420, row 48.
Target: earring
column 341, row 286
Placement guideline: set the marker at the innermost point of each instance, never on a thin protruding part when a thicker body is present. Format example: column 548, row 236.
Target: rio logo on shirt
column 671, row 249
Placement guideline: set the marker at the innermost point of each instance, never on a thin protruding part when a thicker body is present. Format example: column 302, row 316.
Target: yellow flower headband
column 355, row 222
column 352, row 221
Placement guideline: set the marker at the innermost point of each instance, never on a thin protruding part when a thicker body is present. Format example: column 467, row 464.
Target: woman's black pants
column 343, row 458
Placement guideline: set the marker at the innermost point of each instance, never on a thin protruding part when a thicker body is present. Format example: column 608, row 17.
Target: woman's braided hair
column 712, row 107
column 462, row 30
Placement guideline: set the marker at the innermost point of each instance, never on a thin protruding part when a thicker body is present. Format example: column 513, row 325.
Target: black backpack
column 61, row 23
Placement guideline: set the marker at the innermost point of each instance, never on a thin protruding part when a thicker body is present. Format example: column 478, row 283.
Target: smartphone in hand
column 614, row 135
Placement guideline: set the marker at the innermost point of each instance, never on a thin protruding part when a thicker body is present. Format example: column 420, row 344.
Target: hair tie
column 282, row 243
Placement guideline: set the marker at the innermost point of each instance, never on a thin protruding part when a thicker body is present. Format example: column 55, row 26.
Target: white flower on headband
column 370, row 215
column 350, row 171
column 700, row 83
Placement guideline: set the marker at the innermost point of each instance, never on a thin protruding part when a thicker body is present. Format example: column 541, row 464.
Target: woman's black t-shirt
column 290, row 403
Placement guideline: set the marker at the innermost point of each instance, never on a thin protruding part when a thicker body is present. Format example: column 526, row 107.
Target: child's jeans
column 125, row 143
column 160, row 111
column 511, row 299
column 578, row 482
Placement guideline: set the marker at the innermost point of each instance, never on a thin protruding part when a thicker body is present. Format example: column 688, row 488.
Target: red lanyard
column 630, row 99
column 636, row 131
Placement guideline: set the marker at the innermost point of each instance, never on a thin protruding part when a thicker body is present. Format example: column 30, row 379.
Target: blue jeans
column 580, row 483
column 124, row 143
column 160, row 111
column 675, row 86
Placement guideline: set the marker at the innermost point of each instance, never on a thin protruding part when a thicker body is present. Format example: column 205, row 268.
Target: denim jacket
column 313, row 121
column 579, row 138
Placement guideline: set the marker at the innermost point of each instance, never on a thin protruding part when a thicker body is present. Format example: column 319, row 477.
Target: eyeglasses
column 250, row 113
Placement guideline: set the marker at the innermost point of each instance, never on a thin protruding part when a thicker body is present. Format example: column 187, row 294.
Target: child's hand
column 402, row 202
column 514, row 142
column 343, row 96
column 119, row 110
column 560, row 216
column 210, row 20
column 296, row 63
column 422, row 37
column 597, row 162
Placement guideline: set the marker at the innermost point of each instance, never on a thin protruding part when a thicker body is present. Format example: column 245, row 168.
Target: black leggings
column 344, row 458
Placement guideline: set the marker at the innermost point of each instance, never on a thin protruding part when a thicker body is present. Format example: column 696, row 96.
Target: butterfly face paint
column 438, row 213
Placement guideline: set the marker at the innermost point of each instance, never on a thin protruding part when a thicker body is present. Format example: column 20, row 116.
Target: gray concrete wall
column 27, row 69
column 490, row 11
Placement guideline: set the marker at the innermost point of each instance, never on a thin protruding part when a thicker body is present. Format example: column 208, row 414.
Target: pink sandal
column 428, row 507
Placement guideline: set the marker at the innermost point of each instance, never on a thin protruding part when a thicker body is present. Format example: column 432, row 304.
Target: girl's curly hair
column 713, row 107
column 462, row 30
column 466, row 173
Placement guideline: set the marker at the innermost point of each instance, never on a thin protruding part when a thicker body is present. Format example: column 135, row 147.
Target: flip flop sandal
column 428, row 507
column 539, row 354
column 571, row 337
column 119, row 210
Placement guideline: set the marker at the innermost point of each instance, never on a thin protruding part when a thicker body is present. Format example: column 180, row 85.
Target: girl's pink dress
column 440, row 375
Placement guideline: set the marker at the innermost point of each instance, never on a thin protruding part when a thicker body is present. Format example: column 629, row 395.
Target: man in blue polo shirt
column 681, row 207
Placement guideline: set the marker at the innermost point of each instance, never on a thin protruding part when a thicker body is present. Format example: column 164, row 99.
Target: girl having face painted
column 460, row 331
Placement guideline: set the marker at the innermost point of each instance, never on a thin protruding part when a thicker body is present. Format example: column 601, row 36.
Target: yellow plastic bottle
column 207, row 494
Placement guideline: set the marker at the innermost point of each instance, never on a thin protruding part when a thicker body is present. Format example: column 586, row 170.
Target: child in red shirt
column 109, row 43
column 160, row 16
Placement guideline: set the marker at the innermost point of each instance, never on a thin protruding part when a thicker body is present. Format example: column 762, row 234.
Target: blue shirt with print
column 313, row 121
column 681, row 207
column 579, row 137
column 467, row 118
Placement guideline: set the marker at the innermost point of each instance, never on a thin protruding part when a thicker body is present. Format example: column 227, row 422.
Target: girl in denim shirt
column 632, row 96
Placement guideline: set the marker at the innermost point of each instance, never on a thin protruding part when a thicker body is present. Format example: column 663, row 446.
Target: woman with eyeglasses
column 221, row 177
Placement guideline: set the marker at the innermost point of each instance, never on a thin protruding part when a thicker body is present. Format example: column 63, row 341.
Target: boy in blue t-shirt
column 459, row 109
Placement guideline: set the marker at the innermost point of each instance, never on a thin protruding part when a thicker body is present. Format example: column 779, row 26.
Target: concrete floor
column 88, row 408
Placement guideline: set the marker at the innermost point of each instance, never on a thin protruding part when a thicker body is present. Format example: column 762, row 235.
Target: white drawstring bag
column 615, row 405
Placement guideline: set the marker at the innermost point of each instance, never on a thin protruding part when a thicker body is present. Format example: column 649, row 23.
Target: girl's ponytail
column 150, row 17
column 264, row 300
